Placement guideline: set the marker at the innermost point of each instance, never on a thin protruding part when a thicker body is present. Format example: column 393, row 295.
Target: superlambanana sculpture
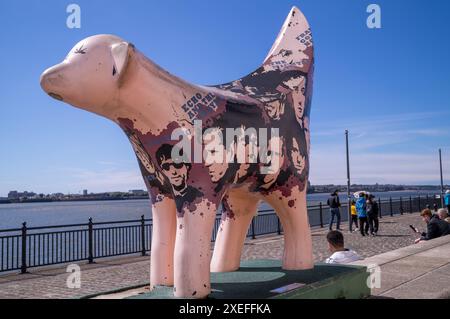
column 200, row 147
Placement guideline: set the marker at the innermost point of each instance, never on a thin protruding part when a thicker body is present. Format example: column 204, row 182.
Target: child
column 354, row 215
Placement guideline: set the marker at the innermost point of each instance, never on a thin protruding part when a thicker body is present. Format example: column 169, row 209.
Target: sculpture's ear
column 121, row 53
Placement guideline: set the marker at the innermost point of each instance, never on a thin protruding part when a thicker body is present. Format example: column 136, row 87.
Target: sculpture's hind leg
column 297, row 234
column 239, row 207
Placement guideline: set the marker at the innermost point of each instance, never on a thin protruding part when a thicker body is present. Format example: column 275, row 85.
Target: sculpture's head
column 89, row 76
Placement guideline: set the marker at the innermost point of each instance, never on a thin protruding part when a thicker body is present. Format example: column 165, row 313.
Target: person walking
column 334, row 204
column 372, row 216
column 361, row 207
column 354, row 216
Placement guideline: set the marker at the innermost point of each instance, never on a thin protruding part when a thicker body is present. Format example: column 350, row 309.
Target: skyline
column 82, row 191
column 386, row 86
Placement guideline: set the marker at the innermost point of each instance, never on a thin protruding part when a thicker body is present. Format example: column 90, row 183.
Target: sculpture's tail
column 294, row 44
column 287, row 69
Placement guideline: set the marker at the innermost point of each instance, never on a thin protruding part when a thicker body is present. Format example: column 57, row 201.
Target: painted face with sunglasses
column 177, row 174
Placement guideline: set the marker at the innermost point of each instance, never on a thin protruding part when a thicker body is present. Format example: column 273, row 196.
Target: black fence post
column 143, row 234
column 23, row 268
column 278, row 226
column 390, row 204
column 401, row 205
column 91, row 241
column 410, row 205
column 253, row 228
column 321, row 215
column 379, row 208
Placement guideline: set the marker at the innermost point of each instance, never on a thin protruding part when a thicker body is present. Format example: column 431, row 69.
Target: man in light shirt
column 340, row 254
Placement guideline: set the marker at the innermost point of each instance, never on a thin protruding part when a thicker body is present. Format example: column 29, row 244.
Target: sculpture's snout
column 53, row 81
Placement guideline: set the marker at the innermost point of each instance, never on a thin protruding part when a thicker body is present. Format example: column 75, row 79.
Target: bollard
column 401, row 206
column 278, row 226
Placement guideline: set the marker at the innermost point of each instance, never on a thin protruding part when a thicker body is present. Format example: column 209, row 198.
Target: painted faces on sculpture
column 177, row 173
column 141, row 153
column 250, row 154
column 298, row 160
column 273, row 104
column 275, row 109
column 297, row 87
column 145, row 160
column 274, row 160
column 215, row 154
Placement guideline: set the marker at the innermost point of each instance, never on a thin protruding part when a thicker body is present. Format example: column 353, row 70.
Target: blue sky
column 388, row 86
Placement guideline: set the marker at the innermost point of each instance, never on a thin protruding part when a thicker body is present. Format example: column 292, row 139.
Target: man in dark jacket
column 435, row 227
column 372, row 216
column 333, row 202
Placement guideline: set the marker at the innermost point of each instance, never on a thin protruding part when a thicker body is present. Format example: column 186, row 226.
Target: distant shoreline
column 50, row 200
column 111, row 198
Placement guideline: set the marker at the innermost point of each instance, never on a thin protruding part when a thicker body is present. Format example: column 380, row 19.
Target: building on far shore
column 14, row 195
column 138, row 192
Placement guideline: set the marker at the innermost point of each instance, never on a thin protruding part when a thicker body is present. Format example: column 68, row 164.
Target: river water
column 59, row 213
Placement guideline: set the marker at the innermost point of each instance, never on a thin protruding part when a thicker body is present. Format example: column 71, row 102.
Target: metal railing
column 27, row 247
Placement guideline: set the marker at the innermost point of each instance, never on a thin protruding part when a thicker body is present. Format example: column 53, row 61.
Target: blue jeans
column 335, row 212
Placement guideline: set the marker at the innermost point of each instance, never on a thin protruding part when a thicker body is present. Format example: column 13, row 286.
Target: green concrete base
column 255, row 280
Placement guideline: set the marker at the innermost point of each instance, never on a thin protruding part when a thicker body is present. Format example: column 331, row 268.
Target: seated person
column 340, row 255
column 435, row 227
column 443, row 214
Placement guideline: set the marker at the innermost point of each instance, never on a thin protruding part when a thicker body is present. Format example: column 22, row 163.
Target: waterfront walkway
column 419, row 271
column 112, row 274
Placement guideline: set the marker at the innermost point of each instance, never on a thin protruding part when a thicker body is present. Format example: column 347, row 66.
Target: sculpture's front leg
column 163, row 242
column 193, row 251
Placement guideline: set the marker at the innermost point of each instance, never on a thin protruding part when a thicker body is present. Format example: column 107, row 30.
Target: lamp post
column 349, row 206
column 442, row 179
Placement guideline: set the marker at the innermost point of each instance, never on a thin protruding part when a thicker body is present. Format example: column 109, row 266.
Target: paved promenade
column 112, row 274
column 419, row 271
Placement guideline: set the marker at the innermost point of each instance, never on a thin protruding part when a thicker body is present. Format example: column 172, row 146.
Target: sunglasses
column 166, row 166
